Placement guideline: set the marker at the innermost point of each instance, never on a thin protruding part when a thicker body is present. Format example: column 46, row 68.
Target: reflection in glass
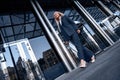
column 101, row 44
column 49, row 61
column 90, row 42
column 8, row 66
column 14, row 53
column 3, row 68
column 32, row 61
column 22, row 64
column 107, row 26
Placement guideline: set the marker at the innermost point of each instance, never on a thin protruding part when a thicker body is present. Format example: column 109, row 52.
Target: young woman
column 69, row 31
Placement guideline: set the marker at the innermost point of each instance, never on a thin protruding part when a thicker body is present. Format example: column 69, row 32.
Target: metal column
column 92, row 23
column 59, row 41
column 50, row 36
column 116, row 4
column 103, row 8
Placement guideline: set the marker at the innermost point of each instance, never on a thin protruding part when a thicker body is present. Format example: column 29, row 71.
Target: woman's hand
column 66, row 42
column 78, row 31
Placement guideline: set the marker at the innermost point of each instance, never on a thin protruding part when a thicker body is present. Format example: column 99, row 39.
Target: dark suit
column 69, row 33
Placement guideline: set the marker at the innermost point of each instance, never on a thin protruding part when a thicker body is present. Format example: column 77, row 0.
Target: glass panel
column 19, row 63
column 29, row 27
column 96, row 13
column 23, row 64
column 89, row 41
column 110, row 25
column 9, row 31
column 3, row 68
column 49, row 61
column 18, row 29
column 4, row 20
column 111, row 7
column 30, row 57
column 10, row 67
column 16, row 19
column 94, row 37
column 11, row 38
column 16, row 60
column 31, row 18
column 28, row 35
column 49, row 14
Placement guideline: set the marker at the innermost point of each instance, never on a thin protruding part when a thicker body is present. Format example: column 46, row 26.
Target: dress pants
column 83, row 52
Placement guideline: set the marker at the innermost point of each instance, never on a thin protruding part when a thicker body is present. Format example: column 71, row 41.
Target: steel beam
column 59, row 41
column 103, row 8
column 49, row 35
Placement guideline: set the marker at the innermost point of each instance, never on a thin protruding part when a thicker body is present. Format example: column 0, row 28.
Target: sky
column 39, row 45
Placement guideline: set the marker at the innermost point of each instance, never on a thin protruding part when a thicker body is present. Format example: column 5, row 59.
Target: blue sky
column 39, row 45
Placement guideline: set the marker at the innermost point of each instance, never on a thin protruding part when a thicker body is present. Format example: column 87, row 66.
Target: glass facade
column 34, row 58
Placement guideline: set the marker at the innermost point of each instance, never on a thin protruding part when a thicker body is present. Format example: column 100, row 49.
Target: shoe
column 93, row 59
column 83, row 64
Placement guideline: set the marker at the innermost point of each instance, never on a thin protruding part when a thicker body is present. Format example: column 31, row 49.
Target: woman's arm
column 72, row 23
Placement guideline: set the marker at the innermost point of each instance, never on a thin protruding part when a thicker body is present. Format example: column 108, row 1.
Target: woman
column 69, row 31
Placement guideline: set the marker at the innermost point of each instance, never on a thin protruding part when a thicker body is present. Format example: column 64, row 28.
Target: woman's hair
column 57, row 12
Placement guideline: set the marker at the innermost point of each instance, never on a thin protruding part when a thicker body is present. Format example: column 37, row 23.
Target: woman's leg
column 75, row 40
column 88, row 54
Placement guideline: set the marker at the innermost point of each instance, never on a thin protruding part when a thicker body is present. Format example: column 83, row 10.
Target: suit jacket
column 68, row 27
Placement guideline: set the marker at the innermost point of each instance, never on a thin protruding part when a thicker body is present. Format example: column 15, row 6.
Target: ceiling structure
column 17, row 20
column 23, row 5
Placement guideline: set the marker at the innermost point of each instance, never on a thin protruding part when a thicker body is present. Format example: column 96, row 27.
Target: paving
column 106, row 67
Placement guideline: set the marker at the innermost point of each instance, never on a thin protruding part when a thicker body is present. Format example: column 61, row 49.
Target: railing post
column 49, row 36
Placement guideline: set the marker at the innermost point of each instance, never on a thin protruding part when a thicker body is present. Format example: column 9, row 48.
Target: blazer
column 68, row 26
